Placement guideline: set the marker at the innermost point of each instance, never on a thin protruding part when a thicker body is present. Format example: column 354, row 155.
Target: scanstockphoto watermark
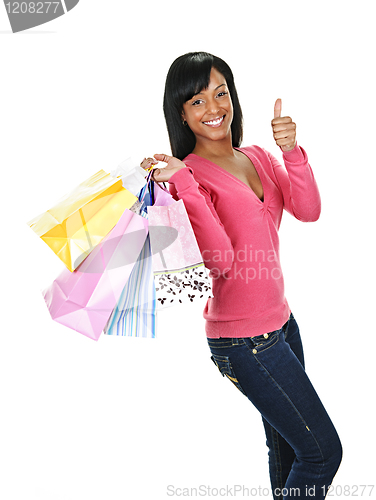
column 24, row 15
column 247, row 264
column 247, row 254
column 204, row 490
column 247, row 274
column 238, row 490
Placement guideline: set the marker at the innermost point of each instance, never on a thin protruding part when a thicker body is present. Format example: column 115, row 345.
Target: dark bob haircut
column 187, row 76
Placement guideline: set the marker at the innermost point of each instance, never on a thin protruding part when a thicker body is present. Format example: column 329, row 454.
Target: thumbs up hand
column 284, row 129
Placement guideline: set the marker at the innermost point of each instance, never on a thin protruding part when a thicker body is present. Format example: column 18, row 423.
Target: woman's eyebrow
column 219, row 86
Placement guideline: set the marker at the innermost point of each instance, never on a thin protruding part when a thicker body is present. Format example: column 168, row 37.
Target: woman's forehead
column 216, row 81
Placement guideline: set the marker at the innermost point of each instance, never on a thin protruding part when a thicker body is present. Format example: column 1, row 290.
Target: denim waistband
column 230, row 341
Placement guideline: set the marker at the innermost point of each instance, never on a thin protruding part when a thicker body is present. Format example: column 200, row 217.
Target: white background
column 123, row 417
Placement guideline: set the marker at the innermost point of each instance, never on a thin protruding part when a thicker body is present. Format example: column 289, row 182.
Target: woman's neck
column 214, row 149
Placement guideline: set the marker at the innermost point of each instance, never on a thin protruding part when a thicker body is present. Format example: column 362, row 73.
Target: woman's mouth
column 217, row 122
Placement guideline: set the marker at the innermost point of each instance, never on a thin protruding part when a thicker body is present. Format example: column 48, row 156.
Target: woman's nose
column 212, row 106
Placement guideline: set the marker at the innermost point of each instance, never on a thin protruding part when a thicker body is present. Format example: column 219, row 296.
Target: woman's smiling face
column 209, row 113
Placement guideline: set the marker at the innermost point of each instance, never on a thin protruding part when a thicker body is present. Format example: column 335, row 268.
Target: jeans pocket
column 224, row 366
column 262, row 342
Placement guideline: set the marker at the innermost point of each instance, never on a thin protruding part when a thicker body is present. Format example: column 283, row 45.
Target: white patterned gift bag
column 179, row 272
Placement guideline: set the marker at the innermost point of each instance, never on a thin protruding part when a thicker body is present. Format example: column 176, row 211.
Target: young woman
column 234, row 198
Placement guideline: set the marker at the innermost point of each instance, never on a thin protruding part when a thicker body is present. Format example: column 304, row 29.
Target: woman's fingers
column 282, row 123
column 162, row 174
column 284, row 129
column 280, row 131
column 164, row 158
column 172, row 162
column 173, row 165
column 147, row 163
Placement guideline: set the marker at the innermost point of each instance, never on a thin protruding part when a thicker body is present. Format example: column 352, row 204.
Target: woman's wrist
column 184, row 174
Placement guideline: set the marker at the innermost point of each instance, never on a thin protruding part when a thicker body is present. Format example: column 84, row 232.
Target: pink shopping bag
column 179, row 272
column 84, row 299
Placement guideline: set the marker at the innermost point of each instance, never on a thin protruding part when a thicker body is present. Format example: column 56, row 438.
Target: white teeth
column 214, row 122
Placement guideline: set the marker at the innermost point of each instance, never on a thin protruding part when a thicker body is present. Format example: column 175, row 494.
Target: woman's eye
column 197, row 102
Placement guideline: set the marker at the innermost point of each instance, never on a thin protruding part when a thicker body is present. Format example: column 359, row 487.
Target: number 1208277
column 32, row 7
column 360, row 490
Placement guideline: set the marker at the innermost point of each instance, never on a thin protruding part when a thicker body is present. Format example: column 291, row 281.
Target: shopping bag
column 131, row 174
column 81, row 219
column 84, row 299
column 161, row 197
column 179, row 272
column 135, row 312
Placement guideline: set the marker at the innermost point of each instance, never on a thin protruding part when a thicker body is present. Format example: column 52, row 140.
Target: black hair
column 187, row 76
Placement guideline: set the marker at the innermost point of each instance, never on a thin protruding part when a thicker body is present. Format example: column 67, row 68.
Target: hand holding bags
column 81, row 219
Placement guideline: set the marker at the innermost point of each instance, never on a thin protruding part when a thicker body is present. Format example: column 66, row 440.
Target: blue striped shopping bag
column 135, row 312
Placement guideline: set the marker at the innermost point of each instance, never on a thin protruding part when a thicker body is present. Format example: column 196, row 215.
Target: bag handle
column 148, row 179
column 151, row 181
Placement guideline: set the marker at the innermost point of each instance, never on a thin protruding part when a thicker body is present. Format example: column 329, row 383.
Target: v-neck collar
column 258, row 169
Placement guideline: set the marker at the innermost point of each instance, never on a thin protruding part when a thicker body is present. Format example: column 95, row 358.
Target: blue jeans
column 304, row 448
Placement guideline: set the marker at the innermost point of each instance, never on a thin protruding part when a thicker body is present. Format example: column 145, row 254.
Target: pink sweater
column 238, row 235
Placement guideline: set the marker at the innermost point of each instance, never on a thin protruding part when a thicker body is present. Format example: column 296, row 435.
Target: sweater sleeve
column 210, row 233
column 301, row 196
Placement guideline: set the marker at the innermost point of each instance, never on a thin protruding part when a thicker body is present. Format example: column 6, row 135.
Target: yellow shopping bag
column 81, row 219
